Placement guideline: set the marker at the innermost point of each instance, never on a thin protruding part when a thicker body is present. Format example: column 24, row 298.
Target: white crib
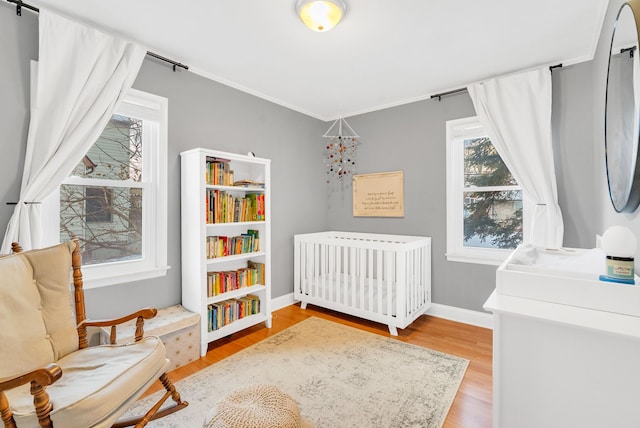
column 382, row 278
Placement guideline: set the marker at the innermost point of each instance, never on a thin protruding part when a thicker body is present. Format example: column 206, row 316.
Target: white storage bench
column 382, row 278
column 178, row 329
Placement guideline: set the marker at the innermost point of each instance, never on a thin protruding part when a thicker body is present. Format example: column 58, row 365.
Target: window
column 114, row 201
column 485, row 206
column 98, row 204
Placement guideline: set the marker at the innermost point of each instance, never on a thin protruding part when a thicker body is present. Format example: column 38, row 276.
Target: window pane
column 483, row 165
column 493, row 219
column 117, row 154
column 98, row 204
column 116, row 236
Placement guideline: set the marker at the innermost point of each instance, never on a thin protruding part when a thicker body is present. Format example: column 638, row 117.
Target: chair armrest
column 39, row 378
column 139, row 316
column 146, row 313
column 43, row 376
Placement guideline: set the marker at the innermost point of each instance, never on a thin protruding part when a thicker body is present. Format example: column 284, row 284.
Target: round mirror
column 622, row 113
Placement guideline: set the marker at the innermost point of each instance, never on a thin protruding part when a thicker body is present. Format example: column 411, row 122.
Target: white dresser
column 566, row 346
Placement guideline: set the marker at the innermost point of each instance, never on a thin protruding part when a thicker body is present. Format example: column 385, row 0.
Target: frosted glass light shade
column 321, row 15
column 619, row 241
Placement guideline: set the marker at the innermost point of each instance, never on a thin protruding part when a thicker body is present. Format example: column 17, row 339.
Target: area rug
column 339, row 376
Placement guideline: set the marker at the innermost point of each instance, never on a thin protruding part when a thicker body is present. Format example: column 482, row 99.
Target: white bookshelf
column 195, row 230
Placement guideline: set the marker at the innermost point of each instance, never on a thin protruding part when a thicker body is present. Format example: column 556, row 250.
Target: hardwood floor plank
column 472, row 406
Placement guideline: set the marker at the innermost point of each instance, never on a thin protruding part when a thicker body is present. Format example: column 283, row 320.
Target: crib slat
column 373, row 257
column 337, row 285
column 297, row 273
column 363, row 275
column 400, row 292
column 419, row 254
column 409, row 280
column 379, row 281
column 412, row 290
column 354, row 275
column 331, row 279
column 418, row 278
column 389, row 272
column 324, row 268
column 301, row 267
column 316, row 269
column 345, row 275
column 307, row 267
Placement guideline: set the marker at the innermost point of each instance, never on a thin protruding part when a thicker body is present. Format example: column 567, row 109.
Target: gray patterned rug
column 339, row 376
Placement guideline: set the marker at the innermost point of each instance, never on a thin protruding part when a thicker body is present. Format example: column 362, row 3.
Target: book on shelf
column 256, row 238
column 220, row 282
column 224, row 313
column 223, row 207
column 218, row 171
column 221, row 246
column 259, row 271
column 248, row 183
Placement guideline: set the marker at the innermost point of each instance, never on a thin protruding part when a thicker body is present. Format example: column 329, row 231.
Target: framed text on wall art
column 378, row 195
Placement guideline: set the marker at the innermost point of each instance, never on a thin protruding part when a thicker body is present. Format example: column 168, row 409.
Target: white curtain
column 83, row 75
column 516, row 112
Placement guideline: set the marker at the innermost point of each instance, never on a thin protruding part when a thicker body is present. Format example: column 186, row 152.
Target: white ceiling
column 384, row 52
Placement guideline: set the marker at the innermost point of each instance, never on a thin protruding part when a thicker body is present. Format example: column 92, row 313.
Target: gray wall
column 411, row 138
column 573, row 140
column 18, row 46
column 202, row 113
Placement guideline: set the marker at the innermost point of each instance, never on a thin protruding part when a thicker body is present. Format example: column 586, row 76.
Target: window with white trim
column 486, row 213
column 115, row 200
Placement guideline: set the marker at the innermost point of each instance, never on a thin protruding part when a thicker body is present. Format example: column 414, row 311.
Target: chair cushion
column 36, row 310
column 95, row 382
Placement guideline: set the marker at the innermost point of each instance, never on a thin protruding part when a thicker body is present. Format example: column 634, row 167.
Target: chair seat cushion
column 96, row 382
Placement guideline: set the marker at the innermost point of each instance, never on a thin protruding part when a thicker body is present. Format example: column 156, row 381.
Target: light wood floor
column 472, row 405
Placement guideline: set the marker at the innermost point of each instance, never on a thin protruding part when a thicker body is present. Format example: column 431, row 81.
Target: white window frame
column 457, row 131
column 153, row 110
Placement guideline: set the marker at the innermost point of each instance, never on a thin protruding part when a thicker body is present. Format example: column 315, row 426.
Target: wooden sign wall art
column 378, row 195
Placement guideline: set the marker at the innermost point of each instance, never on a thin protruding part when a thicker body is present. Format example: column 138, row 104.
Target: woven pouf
column 256, row 406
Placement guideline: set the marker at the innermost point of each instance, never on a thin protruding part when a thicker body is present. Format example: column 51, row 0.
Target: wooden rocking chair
column 48, row 373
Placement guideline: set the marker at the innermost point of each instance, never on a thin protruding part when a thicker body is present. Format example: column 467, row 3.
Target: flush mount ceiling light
column 321, row 15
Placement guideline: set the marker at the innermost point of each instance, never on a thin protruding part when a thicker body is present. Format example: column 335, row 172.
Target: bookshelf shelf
column 242, row 189
column 236, row 326
column 235, row 257
column 204, row 199
column 240, row 292
column 235, row 223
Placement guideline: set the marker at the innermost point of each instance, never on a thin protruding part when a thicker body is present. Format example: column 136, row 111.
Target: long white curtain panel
column 83, row 75
column 516, row 112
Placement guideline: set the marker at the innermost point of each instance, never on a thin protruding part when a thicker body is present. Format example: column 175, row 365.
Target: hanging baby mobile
column 340, row 151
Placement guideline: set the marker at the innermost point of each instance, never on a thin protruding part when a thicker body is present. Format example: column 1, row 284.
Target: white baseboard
column 466, row 316
column 282, row 302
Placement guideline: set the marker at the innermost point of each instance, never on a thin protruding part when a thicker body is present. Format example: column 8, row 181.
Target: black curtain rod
column 20, row 4
column 455, row 91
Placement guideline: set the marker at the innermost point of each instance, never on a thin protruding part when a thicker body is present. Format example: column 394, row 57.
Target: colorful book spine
column 220, row 282
column 223, row 207
column 224, row 313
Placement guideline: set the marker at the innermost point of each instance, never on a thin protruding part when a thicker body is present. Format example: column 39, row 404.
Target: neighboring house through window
column 486, row 214
column 115, row 200
column 99, row 204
